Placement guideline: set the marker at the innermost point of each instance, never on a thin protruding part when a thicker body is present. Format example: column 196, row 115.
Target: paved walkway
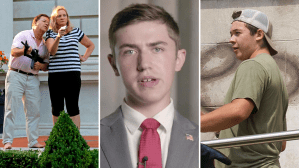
column 92, row 141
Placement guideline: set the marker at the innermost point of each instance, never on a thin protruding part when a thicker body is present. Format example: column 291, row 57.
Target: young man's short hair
column 36, row 18
column 136, row 13
column 252, row 29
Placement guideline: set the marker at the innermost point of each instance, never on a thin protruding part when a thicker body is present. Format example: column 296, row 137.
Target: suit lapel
column 114, row 141
column 181, row 150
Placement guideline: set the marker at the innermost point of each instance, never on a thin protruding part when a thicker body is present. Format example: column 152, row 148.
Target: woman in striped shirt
column 64, row 79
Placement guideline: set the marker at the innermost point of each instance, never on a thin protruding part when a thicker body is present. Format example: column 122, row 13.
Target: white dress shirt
column 133, row 119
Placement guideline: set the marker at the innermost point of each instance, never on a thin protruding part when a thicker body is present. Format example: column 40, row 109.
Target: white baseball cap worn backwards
column 259, row 20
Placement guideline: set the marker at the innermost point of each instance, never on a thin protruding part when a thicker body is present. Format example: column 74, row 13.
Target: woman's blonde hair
column 53, row 23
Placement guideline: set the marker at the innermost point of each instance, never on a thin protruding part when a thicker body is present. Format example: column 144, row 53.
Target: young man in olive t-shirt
column 257, row 99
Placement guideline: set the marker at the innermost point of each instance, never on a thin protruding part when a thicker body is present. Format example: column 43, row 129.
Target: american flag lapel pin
column 189, row 137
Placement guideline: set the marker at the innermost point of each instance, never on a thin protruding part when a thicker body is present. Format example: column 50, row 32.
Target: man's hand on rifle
column 40, row 66
column 28, row 51
column 37, row 66
column 33, row 54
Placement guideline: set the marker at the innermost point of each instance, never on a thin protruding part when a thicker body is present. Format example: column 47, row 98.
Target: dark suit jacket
column 182, row 153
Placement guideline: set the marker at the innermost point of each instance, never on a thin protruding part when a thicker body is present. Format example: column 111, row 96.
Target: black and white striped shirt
column 67, row 55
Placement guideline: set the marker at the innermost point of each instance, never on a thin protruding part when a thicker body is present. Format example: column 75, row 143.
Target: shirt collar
column 133, row 119
column 32, row 33
column 33, row 36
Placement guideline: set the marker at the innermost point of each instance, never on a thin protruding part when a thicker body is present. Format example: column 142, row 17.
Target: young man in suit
column 146, row 53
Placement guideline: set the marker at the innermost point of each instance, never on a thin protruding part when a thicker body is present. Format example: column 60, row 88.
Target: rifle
column 34, row 55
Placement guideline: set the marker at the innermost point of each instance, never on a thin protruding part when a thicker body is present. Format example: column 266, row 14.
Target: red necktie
column 150, row 145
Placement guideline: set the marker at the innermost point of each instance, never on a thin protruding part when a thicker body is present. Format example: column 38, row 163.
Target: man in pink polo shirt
column 22, row 82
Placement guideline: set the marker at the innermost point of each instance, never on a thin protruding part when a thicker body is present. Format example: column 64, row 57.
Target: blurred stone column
column 188, row 77
column 6, row 28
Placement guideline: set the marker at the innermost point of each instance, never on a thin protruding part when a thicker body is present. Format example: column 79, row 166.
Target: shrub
column 17, row 159
column 29, row 159
column 65, row 146
column 95, row 158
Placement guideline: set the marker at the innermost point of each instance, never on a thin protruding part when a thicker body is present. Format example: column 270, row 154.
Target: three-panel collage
column 149, row 84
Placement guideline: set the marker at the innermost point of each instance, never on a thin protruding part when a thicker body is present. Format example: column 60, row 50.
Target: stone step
column 22, row 142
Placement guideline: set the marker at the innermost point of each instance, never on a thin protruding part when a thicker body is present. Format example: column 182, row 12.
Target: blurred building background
column 185, row 90
column 218, row 62
column 16, row 16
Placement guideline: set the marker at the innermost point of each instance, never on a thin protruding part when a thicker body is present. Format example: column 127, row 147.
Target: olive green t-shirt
column 258, row 79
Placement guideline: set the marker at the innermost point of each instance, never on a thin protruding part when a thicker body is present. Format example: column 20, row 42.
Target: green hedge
column 29, row 159
column 65, row 147
column 17, row 159
column 95, row 159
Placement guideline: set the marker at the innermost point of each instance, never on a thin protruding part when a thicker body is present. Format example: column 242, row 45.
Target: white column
column 6, row 28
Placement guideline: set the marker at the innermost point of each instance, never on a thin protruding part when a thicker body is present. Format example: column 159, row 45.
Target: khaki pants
column 21, row 87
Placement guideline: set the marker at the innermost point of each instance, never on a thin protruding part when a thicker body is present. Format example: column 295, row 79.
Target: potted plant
column 3, row 60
